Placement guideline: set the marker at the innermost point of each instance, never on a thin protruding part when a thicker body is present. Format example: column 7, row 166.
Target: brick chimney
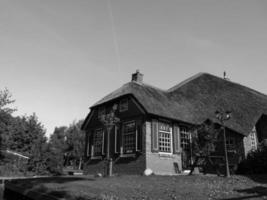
column 137, row 77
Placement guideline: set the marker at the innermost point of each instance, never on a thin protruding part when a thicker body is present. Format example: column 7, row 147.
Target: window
column 165, row 141
column 253, row 139
column 129, row 137
column 185, row 138
column 98, row 142
column 123, row 105
column 101, row 112
column 230, row 142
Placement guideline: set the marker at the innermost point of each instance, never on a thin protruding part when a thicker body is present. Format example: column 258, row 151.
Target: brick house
column 154, row 127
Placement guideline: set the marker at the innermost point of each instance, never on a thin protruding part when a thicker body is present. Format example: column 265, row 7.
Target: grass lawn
column 153, row 187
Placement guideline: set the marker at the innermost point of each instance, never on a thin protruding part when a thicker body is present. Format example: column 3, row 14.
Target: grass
column 148, row 188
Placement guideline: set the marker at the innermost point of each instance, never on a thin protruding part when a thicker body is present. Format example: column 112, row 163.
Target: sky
column 58, row 57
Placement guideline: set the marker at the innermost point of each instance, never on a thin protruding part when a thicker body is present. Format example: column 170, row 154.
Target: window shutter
column 90, row 140
column 138, row 136
column 103, row 143
column 121, row 140
column 88, row 144
column 154, row 136
column 117, row 139
column 176, row 139
column 92, row 151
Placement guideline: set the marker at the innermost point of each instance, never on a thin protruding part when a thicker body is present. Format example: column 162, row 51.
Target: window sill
column 132, row 155
column 166, row 155
column 96, row 158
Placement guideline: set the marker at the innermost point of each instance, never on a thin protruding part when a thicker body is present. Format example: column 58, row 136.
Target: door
column 186, row 146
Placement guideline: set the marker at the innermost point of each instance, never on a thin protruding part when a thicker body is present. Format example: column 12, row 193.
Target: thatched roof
column 196, row 99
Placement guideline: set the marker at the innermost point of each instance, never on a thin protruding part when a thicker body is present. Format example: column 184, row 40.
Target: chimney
column 137, row 77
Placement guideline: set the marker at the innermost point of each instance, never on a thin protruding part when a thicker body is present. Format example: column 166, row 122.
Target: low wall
column 123, row 165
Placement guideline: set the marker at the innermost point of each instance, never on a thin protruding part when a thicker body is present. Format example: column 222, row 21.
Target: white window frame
column 184, row 130
column 122, row 106
column 253, row 138
column 171, row 138
column 134, row 149
column 102, row 146
column 116, row 137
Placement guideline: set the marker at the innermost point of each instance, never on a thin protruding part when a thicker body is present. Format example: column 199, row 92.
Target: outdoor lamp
column 222, row 117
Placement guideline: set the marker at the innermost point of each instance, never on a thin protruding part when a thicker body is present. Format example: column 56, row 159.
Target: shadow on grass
column 35, row 188
column 53, row 179
column 254, row 192
column 259, row 178
column 42, row 193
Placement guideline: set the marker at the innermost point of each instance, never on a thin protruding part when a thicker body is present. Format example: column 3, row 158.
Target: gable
column 134, row 109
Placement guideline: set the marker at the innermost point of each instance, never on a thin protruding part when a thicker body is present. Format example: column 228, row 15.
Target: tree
column 75, row 139
column 21, row 134
column 35, row 144
column 5, row 115
column 204, row 139
column 66, row 146
column 5, row 101
column 56, row 150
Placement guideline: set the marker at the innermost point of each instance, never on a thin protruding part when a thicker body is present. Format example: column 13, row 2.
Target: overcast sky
column 58, row 57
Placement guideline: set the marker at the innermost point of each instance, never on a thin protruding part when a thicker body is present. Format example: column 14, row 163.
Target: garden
column 135, row 187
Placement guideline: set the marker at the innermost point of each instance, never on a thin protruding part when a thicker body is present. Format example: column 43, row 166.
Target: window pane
column 129, row 137
column 230, row 142
column 124, row 105
column 98, row 140
column 185, row 138
column 164, row 137
column 253, row 139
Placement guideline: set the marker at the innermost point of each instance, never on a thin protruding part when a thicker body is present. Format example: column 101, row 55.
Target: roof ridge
column 251, row 90
column 110, row 94
column 186, row 81
column 154, row 87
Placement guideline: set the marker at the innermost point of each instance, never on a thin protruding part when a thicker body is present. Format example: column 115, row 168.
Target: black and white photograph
column 133, row 99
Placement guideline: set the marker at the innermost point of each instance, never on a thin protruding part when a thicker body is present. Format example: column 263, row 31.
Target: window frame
column 123, row 107
column 170, row 136
column 253, row 139
column 184, row 131
column 228, row 142
column 102, row 142
column 134, row 136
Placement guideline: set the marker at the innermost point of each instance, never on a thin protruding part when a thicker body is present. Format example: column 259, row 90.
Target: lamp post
column 109, row 121
column 222, row 117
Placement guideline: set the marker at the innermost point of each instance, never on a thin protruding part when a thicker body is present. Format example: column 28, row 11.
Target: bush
column 15, row 167
column 255, row 163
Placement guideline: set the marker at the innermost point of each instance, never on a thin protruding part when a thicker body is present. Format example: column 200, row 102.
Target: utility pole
column 222, row 117
column 109, row 121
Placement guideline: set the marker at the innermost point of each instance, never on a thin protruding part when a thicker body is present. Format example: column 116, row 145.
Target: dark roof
column 196, row 99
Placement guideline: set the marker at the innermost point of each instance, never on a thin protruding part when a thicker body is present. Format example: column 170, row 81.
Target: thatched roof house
column 196, row 99
column 193, row 101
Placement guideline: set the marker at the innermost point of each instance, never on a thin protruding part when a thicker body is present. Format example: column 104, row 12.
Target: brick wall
column 162, row 164
column 123, row 165
column 130, row 165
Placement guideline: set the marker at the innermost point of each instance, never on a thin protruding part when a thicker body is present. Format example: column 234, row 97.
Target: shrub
column 255, row 163
column 15, row 167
